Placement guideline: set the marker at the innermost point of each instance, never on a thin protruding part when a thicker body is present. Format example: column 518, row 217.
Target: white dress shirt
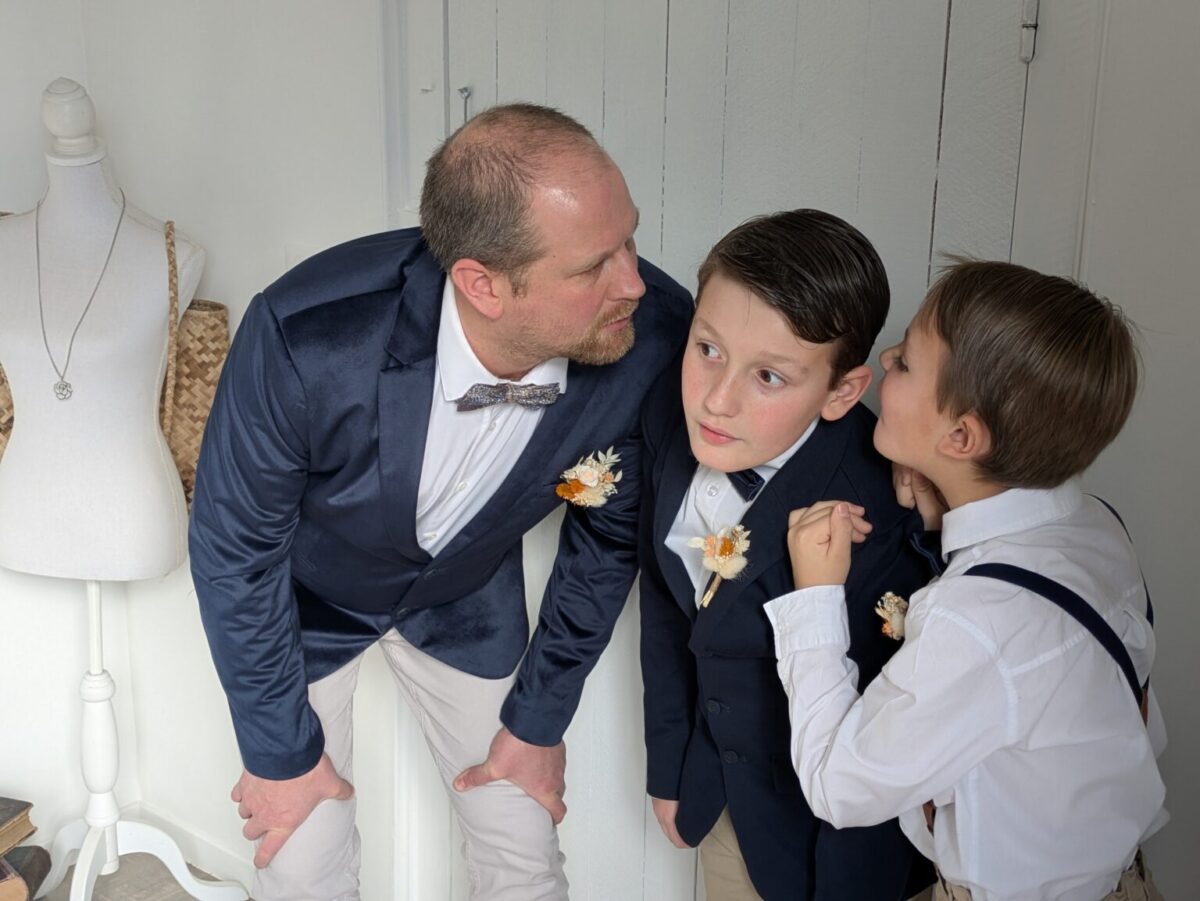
column 468, row 455
column 712, row 504
column 998, row 707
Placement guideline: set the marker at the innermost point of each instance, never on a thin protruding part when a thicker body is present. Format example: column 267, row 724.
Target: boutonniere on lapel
column 591, row 481
column 891, row 608
column 724, row 556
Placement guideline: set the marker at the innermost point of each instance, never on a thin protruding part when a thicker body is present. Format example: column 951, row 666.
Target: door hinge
column 1029, row 26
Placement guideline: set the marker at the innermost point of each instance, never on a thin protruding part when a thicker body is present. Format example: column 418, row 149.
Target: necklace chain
column 63, row 388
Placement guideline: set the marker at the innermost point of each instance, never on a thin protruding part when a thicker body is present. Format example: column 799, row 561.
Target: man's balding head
column 475, row 203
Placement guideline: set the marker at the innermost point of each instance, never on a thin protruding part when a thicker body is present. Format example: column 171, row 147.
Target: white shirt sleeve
column 940, row 705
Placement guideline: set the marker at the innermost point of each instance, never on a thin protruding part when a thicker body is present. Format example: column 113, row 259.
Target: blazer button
column 713, row 707
column 729, row 756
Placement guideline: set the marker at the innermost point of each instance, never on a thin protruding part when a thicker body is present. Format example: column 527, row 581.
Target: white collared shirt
column 998, row 707
column 468, row 455
column 712, row 504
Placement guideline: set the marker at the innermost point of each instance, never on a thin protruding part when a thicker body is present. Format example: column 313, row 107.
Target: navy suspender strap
column 1071, row 603
column 1145, row 587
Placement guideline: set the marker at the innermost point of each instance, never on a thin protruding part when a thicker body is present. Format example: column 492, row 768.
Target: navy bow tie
column 747, row 482
column 479, row 396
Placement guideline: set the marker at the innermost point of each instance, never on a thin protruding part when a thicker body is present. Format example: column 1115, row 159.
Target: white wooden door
column 1109, row 194
column 903, row 117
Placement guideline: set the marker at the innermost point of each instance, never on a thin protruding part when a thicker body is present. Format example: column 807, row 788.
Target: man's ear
column 846, row 393
column 969, row 440
column 480, row 286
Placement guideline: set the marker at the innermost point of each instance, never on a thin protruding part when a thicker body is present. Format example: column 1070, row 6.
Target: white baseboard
column 199, row 850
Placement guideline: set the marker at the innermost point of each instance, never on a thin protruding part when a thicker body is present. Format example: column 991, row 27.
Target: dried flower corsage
column 591, row 481
column 724, row 555
column 892, row 608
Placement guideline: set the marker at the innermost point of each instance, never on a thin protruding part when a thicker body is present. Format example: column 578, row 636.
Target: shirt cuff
column 809, row 618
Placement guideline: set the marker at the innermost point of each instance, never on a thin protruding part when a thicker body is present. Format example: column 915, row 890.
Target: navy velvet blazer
column 717, row 730
column 303, row 536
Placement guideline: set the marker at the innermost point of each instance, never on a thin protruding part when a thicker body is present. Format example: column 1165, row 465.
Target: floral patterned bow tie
column 479, row 396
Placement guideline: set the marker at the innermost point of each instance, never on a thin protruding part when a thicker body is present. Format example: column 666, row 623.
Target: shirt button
column 729, row 756
column 461, row 486
column 492, row 426
column 431, row 536
column 712, row 707
column 712, row 490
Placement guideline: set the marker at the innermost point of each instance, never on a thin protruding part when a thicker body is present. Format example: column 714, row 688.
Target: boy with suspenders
column 1013, row 732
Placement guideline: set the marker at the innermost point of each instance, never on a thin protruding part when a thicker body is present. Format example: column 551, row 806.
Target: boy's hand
column 665, row 812
column 819, row 539
column 913, row 490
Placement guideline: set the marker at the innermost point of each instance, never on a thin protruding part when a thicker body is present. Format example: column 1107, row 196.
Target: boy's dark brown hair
column 817, row 270
column 1049, row 367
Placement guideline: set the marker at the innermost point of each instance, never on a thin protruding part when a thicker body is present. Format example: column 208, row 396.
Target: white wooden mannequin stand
column 96, row 842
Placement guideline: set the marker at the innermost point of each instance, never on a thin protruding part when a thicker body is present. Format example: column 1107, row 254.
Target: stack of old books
column 21, row 869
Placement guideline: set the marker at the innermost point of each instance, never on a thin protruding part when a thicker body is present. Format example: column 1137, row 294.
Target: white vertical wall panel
column 521, row 50
column 635, row 42
column 695, row 134
column 29, row 65
column 981, row 130
column 471, row 43
column 575, row 60
column 794, row 107
column 898, row 149
column 1139, row 235
column 1060, row 114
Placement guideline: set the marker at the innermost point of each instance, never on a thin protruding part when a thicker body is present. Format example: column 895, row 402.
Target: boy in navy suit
column 770, row 420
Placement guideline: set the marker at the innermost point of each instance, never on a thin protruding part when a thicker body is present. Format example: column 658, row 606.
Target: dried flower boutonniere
column 892, row 608
column 724, row 555
column 591, row 481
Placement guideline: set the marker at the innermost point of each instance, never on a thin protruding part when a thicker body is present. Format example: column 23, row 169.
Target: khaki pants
column 1135, row 885
column 725, row 874
column 510, row 843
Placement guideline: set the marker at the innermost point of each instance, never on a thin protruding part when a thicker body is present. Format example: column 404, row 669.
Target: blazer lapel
column 801, row 481
column 679, row 466
column 405, row 394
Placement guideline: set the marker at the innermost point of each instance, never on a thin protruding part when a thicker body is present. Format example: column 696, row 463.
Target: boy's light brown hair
column 1049, row 367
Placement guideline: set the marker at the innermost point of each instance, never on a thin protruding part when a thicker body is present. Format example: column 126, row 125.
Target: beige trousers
column 1136, row 885
column 509, row 841
column 725, row 874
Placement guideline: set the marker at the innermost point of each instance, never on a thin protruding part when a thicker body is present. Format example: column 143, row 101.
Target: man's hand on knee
column 536, row 770
column 274, row 808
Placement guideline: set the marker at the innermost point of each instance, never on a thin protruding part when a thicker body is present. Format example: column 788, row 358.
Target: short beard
column 594, row 348
column 599, row 349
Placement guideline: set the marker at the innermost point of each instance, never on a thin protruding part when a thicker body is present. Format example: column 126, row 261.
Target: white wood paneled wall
column 902, row 117
column 1109, row 195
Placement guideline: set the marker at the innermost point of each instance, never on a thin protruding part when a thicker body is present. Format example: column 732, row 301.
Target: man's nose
column 629, row 282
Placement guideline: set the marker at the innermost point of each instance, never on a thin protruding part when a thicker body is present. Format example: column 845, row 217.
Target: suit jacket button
column 729, row 756
column 713, row 707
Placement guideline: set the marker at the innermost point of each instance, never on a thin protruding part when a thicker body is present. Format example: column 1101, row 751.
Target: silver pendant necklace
column 62, row 388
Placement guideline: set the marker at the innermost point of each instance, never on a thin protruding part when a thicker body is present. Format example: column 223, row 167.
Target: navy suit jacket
column 303, row 537
column 717, row 729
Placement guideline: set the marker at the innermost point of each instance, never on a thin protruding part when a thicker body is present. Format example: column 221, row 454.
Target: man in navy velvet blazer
column 761, row 417
column 355, row 487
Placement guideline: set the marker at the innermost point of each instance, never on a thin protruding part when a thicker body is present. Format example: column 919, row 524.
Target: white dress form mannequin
column 88, row 489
